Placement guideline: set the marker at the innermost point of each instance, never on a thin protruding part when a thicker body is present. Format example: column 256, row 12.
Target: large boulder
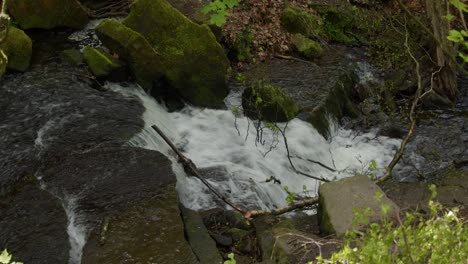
column 18, row 48
column 297, row 20
column 47, row 14
column 339, row 200
column 130, row 45
column 194, row 62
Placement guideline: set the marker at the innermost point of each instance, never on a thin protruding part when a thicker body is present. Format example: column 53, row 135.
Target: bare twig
column 285, row 139
column 316, row 162
column 282, row 210
column 405, row 237
column 284, row 57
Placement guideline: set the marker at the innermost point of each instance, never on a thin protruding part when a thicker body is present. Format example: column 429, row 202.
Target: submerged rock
column 269, row 103
column 18, row 48
column 48, row 14
column 72, row 56
column 101, row 64
column 194, row 62
column 339, row 200
column 306, row 47
column 130, row 45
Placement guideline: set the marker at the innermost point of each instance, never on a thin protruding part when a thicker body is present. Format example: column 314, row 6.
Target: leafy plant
column 441, row 237
column 459, row 35
column 219, row 11
column 5, row 258
column 231, row 259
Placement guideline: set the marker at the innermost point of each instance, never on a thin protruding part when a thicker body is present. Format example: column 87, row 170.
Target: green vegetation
column 441, row 237
column 269, row 103
column 459, row 35
column 18, row 48
column 219, row 11
column 231, row 259
column 5, row 258
column 308, row 48
column 297, row 20
column 101, row 64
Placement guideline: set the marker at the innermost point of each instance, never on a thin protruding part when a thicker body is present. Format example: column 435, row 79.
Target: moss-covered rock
column 308, row 48
column 269, row 103
column 297, row 20
column 72, row 56
column 339, row 21
column 3, row 63
column 242, row 45
column 47, row 14
column 18, row 48
column 195, row 63
column 101, row 64
column 144, row 61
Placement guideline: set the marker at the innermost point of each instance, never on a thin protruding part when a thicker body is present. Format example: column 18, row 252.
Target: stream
column 239, row 167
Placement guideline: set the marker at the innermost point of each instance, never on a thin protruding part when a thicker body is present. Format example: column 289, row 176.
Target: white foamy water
column 238, row 167
column 76, row 231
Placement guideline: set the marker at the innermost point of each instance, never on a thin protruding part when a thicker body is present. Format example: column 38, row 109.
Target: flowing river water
column 239, row 167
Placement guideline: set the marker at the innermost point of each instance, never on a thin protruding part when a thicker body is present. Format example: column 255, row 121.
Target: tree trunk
column 446, row 80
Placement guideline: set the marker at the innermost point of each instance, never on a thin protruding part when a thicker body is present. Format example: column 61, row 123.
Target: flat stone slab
column 339, row 199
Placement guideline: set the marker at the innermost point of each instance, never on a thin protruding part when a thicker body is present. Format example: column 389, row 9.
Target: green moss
column 242, row 45
column 47, row 14
column 269, row 103
column 3, row 63
column 72, row 56
column 339, row 22
column 100, row 64
column 308, row 48
column 130, row 45
column 195, row 63
column 297, row 20
column 18, row 48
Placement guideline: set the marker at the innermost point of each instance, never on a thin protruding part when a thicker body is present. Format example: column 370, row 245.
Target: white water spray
column 238, row 167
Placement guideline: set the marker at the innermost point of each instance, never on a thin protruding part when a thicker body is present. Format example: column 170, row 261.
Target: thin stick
column 282, row 210
column 190, row 168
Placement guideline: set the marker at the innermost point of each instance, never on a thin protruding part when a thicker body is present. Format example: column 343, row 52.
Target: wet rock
column 297, row 20
column 339, row 199
column 269, row 103
column 322, row 92
column 456, row 177
column 452, row 196
column 224, row 241
column 202, row 244
column 72, row 56
column 33, row 225
column 150, row 231
column 100, row 63
column 18, row 48
column 408, row 196
column 308, row 48
column 48, row 14
column 194, row 62
column 237, row 220
column 436, row 101
column 145, row 62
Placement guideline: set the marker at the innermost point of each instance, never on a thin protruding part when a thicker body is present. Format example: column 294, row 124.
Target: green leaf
column 230, row 3
column 455, row 36
column 463, row 56
column 5, row 257
column 449, row 17
column 218, row 19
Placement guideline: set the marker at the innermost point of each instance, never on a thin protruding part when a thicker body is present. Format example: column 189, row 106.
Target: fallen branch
column 316, row 162
column 191, row 169
column 282, row 210
column 284, row 57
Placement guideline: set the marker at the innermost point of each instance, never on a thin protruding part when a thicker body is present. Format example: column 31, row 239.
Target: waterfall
column 243, row 169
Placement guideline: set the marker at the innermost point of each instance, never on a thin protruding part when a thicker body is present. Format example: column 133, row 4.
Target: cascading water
column 239, row 167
